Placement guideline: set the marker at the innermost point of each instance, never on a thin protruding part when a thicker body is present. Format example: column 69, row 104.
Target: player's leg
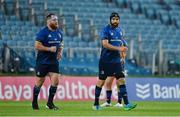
column 54, row 78
column 119, row 101
column 108, row 86
column 123, row 94
column 104, row 71
column 120, row 77
column 39, row 80
column 98, row 89
column 52, row 90
column 38, row 83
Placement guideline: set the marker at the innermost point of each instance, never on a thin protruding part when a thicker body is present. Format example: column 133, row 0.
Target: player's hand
column 122, row 61
column 123, row 49
column 123, row 55
column 52, row 49
column 59, row 56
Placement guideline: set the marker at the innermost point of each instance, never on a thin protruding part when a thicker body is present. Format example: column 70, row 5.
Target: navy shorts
column 43, row 69
column 110, row 69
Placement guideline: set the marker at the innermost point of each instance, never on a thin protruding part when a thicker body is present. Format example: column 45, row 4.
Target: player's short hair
column 114, row 14
column 50, row 15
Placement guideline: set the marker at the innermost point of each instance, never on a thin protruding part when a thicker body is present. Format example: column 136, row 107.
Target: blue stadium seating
column 20, row 32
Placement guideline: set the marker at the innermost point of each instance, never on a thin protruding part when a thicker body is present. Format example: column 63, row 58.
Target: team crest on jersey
column 49, row 35
column 102, row 72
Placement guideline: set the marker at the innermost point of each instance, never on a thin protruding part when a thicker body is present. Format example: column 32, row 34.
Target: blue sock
column 119, row 98
column 52, row 91
column 36, row 91
column 123, row 93
column 97, row 94
column 108, row 94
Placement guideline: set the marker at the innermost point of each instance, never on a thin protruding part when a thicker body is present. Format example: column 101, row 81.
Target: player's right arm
column 123, row 57
column 107, row 45
column 40, row 47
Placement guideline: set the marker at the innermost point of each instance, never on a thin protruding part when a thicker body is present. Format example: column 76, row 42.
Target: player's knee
column 120, row 75
column 39, row 82
column 108, row 83
column 108, row 86
column 100, row 83
column 55, row 82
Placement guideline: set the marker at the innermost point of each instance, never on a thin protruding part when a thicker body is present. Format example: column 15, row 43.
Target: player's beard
column 53, row 26
column 114, row 25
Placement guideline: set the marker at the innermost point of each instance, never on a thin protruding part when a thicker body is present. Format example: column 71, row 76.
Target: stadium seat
column 152, row 30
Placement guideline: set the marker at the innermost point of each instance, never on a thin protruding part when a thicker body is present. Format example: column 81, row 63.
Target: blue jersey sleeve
column 124, row 42
column 104, row 34
column 62, row 37
column 40, row 36
column 62, row 41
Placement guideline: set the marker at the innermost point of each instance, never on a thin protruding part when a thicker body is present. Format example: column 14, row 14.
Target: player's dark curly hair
column 114, row 14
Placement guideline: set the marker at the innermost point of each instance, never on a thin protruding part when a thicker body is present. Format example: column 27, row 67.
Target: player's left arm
column 60, row 51
column 124, row 53
column 123, row 57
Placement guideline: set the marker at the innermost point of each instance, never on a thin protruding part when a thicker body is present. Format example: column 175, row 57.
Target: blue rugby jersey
column 48, row 38
column 115, row 38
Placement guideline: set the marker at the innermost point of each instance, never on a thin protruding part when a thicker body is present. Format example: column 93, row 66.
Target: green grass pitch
column 79, row 108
